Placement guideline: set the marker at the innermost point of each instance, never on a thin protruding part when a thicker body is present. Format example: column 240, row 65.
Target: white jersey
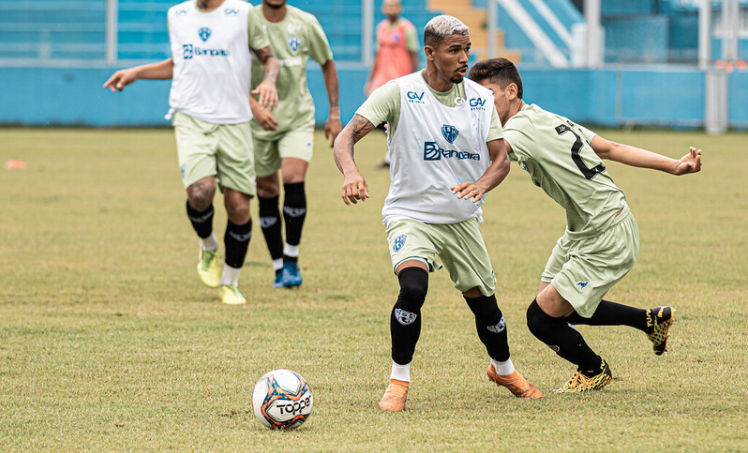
column 212, row 62
column 433, row 148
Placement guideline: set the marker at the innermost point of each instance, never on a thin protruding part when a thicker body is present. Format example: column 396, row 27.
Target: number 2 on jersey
column 588, row 173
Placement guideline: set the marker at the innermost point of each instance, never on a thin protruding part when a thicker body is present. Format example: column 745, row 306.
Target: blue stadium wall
column 607, row 97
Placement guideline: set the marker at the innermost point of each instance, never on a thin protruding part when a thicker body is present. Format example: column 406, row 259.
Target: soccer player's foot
column 515, row 382
column 230, row 295
column 291, row 275
column 395, row 396
column 209, row 268
column 278, row 283
column 659, row 319
column 581, row 382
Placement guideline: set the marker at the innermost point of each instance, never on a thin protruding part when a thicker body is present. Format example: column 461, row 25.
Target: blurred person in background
column 397, row 51
column 284, row 137
column 212, row 42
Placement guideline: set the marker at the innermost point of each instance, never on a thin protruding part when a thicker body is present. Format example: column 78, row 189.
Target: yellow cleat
column 660, row 319
column 209, row 268
column 230, row 295
column 515, row 382
column 395, row 396
column 583, row 383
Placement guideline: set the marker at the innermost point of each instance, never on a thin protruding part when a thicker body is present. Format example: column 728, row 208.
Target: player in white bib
column 447, row 151
column 601, row 242
column 212, row 42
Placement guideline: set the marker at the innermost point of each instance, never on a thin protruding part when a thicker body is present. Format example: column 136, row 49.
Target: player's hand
column 468, row 190
column 690, row 163
column 355, row 188
column 333, row 126
column 266, row 119
column 267, row 94
column 120, row 79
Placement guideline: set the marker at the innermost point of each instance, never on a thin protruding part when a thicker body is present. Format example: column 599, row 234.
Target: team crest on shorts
column 405, row 317
column 398, row 243
column 450, row 133
column 204, row 33
column 294, row 43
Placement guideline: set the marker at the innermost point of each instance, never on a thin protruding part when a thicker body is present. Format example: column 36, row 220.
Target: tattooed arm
column 268, row 95
column 354, row 186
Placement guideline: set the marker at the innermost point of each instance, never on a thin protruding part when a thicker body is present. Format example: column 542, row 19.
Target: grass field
column 108, row 341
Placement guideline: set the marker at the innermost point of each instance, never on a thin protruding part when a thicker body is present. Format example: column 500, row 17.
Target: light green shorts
column 220, row 150
column 583, row 269
column 297, row 143
column 460, row 248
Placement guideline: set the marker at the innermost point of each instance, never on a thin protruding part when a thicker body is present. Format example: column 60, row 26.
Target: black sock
column 405, row 320
column 613, row 314
column 564, row 339
column 202, row 222
column 270, row 222
column 489, row 321
column 294, row 211
column 236, row 240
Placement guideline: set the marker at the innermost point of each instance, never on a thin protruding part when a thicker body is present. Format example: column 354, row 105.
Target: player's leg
column 196, row 147
column 237, row 178
column 296, row 150
column 267, row 164
column 412, row 254
column 463, row 252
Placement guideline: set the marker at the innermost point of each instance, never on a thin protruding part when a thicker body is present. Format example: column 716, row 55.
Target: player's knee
column 238, row 211
column 414, row 283
column 538, row 321
column 268, row 187
column 485, row 309
column 200, row 194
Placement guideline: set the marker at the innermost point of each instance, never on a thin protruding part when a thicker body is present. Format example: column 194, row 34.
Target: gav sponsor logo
column 189, row 51
column 231, row 11
column 431, row 151
column 415, row 98
column 477, row 103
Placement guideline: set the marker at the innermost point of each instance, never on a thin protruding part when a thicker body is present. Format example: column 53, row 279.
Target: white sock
column 503, row 368
column 230, row 275
column 400, row 372
column 291, row 250
column 278, row 264
column 209, row 243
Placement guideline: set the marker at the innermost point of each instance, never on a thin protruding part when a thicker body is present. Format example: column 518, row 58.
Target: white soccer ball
column 282, row 399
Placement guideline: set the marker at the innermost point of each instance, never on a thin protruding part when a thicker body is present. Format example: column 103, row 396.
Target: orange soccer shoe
column 395, row 396
column 515, row 382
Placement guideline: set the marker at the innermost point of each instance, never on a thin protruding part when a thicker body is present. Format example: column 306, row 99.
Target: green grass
column 108, row 341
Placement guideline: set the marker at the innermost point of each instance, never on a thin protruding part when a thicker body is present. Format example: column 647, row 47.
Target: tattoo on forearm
column 360, row 126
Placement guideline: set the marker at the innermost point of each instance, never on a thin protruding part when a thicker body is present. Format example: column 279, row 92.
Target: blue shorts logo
column 187, row 51
column 450, row 133
column 294, row 43
column 398, row 243
column 582, row 285
column 204, row 33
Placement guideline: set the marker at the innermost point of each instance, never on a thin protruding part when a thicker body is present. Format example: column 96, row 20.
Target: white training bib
column 433, row 148
column 212, row 62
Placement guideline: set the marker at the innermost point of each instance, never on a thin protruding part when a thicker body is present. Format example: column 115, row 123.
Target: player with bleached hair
column 601, row 242
column 447, row 152
column 212, row 42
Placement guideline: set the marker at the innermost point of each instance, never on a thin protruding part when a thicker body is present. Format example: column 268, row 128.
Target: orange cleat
column 395, row 396
column 515, row 382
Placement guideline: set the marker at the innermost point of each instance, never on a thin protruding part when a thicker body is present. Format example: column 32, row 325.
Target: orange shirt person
column 397, row 48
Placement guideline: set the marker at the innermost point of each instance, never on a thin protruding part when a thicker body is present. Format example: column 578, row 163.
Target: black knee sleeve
column 236, row 241
column 405, row 320
column 539, row 322
column 490, row 324
column 294, row 211
column 270, row 223
column 202, row 222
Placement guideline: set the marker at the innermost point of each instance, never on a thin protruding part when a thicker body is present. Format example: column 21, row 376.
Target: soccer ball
column 282, row 400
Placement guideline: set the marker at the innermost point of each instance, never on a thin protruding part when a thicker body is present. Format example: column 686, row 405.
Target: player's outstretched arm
column 162, row 70
column 333, row 126
column 492, row 177
column 354, row 185
column 265, row 90
column 263, row 116
column 637, row 157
